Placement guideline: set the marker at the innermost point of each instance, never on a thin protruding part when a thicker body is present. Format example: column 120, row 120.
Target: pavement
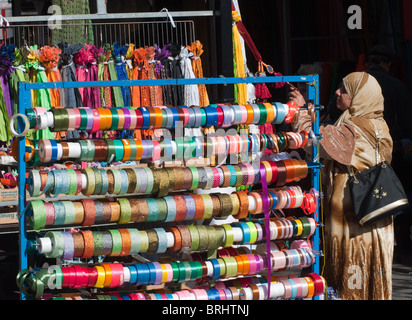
column 402, row 276
column 402, row 261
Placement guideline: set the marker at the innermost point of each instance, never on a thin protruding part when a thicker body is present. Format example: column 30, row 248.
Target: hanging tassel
column 262, row 91
column 100, row 76
column 178, row 93
column 80, row 60
column 129, row 62
column 50, row 57
column 107, row 93
column 116, row 91
column 119, row 54
column 83, row 61
column 197, row 49
column 69, row 97
column 135, row 76
column 156, row 95
column 191, row 91
column 239, row 67
column 42, row 96
column 163, row 68
column 143, row 66
column 19, row 74
column 94, row 75
column 6, row 68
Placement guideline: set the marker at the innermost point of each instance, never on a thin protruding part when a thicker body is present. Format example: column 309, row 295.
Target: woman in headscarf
column 358, row 259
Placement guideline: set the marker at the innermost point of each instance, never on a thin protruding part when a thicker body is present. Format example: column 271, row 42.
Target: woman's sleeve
column 337, row 143
column 302, row 122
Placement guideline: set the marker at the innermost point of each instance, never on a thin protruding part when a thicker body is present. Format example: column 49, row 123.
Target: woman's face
column 343, row 101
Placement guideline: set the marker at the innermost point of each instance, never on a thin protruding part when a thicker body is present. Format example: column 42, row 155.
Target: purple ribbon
column 6, row 93
column 265, row 200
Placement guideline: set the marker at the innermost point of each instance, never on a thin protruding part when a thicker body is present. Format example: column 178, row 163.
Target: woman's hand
column 296, row 97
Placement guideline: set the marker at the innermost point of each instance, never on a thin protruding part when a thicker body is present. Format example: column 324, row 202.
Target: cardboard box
column 8, row 195
column 8, row 218
column 8, row 205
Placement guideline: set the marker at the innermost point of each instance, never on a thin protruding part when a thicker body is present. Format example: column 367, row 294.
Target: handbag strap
column 369, row 131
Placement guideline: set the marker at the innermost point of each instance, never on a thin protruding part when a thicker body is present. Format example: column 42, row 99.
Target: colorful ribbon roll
column 61, row 119
column 123, row 242
column 287, row 289
column 87, row 212
column 159, row 182
column 109, row 150
column 115, row 275
column 252, row 288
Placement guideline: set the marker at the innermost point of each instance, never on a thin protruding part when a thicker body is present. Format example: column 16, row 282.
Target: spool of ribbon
column 208, row 116
column 168, row 150
column 115, row 275
column 159, row 182
column 252, row 288
column 26, row 125
column 123, row 242
column 166, row 209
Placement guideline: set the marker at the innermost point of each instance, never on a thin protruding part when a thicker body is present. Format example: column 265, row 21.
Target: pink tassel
column 279, row 84
column 262, row 91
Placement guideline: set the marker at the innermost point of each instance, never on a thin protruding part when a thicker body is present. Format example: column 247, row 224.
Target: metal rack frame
column 139, row 33
column 111, row 16
column 25, row 103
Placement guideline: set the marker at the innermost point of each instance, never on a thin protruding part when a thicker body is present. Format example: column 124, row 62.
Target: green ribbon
column 117, row 91
column 216, row 236
column 100, row 74
column 263, row 114
column 61, row 119
column 33, row 284
column 43, row 95
column 5, row 135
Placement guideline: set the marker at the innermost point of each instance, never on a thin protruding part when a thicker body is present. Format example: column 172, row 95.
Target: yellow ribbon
column 239, row 67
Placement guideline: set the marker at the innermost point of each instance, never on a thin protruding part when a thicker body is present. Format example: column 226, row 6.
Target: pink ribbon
column 87, row 101
column 81, row 76
column 95, row 91
column 265, row 199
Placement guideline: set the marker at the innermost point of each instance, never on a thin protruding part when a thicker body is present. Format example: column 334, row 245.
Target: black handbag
column 377, row 192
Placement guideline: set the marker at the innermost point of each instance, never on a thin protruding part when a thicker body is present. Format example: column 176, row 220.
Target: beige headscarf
column 366, row 95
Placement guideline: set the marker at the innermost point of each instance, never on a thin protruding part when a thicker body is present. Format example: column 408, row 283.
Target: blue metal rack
column 25, row 103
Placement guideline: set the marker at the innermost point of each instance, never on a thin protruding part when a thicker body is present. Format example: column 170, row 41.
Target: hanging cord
column 169, row 17
column 4, row 21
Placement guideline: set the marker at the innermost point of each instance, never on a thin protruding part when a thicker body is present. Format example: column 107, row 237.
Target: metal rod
column 314, row 95
column 24, row 103
column 113, row 16
column 159, row 82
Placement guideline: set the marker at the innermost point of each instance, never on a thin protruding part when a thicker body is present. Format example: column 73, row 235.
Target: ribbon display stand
column 122, row 210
